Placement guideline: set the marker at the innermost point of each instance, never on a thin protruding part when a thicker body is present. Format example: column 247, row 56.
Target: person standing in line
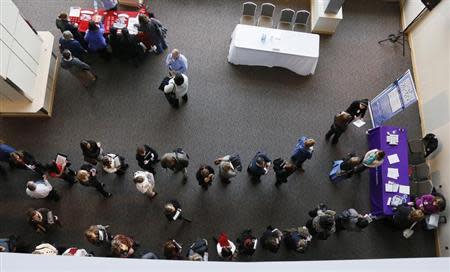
column 114, row 41
column 177, row 89
column 87, row 176
column 96, row 40
column 5, row 155
column 297, row 239
column 172, row 250
column 177, row 161
column 271, row 239
column 162, row 32
column 303, row 151
column 24, row 160
column 340, row 124
column 225, row 248
column 322, row 224
column 62, row 171
column 357, row 108
column 114, row 164
column 68, row 42
column 226, row 168
column 147, row 157
column 205, row 176
column 42, row 219
column 198, row 251
column 41, row 189
column 123, row 246
column 344, row 169
column 79, row 69
column 351, row 220
column 259, row 166
column 109, row 5
column 372, row 159
column 246, row 243
column 63, row 24
column 173, row 212
column 283, row 169
column 98, row 235
column 176, row 62
column 92, row 151
column 145, row 183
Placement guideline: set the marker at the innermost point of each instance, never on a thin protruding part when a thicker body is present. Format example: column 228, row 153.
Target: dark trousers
column 53, row 195
column 176, row 102
column 337, row 133
column 99, row 187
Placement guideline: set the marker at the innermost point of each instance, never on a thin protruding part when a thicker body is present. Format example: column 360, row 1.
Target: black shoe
column 108, row 195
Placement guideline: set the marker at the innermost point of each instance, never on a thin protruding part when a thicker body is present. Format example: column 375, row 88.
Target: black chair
column 416, row 152
column 420, row 172
column 420, row 188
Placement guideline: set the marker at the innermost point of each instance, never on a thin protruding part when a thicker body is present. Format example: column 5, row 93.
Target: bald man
column 176, row 62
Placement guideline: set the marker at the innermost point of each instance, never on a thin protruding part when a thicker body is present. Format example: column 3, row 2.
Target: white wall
column 430, row 48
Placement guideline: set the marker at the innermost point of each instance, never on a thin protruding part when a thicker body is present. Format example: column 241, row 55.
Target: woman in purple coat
column 430, row 204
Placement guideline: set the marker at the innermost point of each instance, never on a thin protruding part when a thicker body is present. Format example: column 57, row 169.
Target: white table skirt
column 296, row 51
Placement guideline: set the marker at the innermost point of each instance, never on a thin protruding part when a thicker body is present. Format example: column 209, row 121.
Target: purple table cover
column 378, row 176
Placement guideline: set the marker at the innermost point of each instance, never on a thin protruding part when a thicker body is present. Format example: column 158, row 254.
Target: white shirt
column 43, row 188
column 181, row 90
column 219, row 248
column 147, row 184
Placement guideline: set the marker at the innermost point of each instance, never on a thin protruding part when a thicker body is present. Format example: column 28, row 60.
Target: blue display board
column 392, row 100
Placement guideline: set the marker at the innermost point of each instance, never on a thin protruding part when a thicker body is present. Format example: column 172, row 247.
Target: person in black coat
column 259, row 166
column 42, row 219
column 87, row 176
column 198, row 251
column 116, row 44
column 205, row 176
column 147, row 157
column 92, row 151
column 172, row 210
column 357, row 108
column 283, row 169
column 63, row 24
column 131, row 48
column 24, row 160
column 404, row 216
column 246, row 243
column 271, row 239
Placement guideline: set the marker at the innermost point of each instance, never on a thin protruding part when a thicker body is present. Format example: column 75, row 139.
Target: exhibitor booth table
column 390, row 181
column 260, row 46
column 118, row 19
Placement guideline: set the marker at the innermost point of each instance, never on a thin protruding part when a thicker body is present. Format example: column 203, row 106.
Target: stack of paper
column 393, row 159
column 392, row 139
column 404, row 189
column 393, row 173
column 359, row 123
column 132, row 29
column 74, row 12
column 391, row 187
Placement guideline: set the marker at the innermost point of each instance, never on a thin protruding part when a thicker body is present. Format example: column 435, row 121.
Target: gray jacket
column 74, row 65
column 181, row 158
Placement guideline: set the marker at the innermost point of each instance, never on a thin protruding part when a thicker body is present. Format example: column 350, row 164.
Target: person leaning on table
column 372, row 159
column 357, row 108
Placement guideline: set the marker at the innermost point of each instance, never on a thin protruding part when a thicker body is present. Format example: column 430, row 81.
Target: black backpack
column 431, row 143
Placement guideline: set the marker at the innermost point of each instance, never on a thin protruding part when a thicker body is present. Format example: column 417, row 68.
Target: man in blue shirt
column 259, row 166
column 176, row 62
column 5, row 154
column 303, row 151
column 69, row 43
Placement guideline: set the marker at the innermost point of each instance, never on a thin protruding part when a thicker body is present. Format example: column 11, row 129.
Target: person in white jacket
column 145, row 183
column 177, row 89
column 113, row 163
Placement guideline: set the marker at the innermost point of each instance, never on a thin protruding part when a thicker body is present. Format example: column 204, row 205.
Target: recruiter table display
column 118, row 19
column 389, row 183
column 260, row 46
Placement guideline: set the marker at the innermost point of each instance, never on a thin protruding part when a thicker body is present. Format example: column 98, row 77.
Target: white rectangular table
column 296, row 51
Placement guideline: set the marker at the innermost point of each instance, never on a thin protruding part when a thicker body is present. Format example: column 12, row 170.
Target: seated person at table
column 430, row 204
column 404, row 216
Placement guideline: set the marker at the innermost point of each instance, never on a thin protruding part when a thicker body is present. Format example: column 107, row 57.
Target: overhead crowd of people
column 323, row 221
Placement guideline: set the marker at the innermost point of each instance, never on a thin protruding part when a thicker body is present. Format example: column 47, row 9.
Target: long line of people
column 323, row 223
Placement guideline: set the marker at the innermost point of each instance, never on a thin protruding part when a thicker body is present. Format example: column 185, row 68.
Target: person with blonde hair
column 98, row 235
column 226, row 168
column 87, row 176
column 145, row 183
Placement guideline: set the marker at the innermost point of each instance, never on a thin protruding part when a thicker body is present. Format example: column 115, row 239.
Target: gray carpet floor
column 230, row 109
